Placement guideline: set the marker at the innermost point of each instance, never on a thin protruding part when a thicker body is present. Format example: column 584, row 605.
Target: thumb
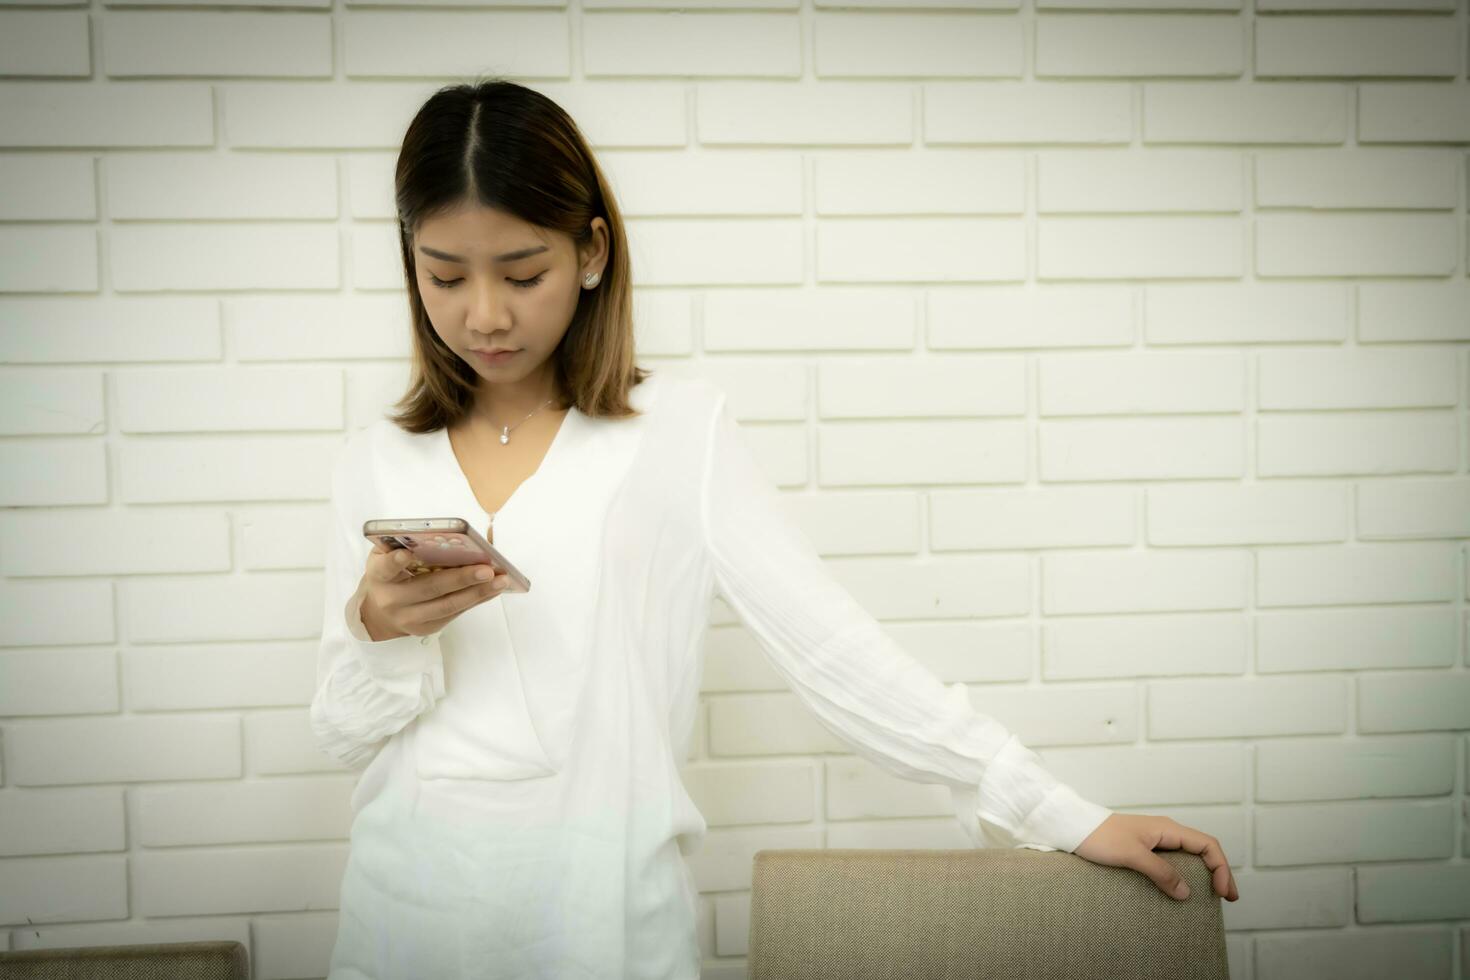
column 387, row 564
column 1163, row 874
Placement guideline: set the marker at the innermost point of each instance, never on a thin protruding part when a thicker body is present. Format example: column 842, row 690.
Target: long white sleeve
column 861, row 685
column 366, row 690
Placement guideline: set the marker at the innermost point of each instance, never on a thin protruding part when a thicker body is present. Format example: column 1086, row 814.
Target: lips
column 501, row 355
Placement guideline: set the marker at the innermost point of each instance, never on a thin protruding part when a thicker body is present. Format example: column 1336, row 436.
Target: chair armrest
column 216, row 959
column 858, row 913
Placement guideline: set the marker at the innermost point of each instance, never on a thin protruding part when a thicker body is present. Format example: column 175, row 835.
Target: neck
column 509, row 402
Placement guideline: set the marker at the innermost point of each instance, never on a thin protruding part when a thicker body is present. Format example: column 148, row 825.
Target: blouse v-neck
column 548, row 460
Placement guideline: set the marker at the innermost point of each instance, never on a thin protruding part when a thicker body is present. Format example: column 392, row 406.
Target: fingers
column 443, row 610
column 1220, row 874
column 1162, row 874
column 431, row 598
column 445, row 581
column 1179, row 837
column 447, row 592
column 1209, row 850
column 387, row 564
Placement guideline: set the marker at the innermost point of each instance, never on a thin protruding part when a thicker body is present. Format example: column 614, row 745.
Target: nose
column 488, row 310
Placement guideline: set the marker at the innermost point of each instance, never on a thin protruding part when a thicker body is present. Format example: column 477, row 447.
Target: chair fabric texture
column 865, row 914
column 202, row 960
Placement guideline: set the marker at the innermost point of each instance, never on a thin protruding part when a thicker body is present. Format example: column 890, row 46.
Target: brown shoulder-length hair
column 498, row 144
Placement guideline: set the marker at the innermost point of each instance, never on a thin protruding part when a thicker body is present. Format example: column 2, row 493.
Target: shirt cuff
column 1031, row 806
column 1063, row 818
column 400, row 662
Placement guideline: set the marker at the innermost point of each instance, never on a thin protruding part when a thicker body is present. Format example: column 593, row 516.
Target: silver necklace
column 505, row 429
column 505, row 436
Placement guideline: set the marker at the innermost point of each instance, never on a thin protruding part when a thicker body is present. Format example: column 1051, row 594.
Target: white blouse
column 521, row 811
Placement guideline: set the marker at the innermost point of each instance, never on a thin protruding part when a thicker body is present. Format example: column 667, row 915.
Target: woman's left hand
column 1128, row 840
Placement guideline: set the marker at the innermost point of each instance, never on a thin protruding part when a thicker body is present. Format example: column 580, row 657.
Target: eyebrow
column 507, row 257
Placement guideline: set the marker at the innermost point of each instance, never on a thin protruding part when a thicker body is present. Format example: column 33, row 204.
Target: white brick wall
column 1118, row 360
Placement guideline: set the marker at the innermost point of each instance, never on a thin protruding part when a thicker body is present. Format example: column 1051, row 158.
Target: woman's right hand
column 399, row 603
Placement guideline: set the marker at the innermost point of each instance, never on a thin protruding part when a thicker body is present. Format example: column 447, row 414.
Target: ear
column 593, row 257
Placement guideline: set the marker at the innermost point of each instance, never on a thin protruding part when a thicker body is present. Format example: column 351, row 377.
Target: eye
column 449, row 283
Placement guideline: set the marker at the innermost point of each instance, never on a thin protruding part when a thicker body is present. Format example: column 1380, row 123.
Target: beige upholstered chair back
column 980, row 912
column 208, row 960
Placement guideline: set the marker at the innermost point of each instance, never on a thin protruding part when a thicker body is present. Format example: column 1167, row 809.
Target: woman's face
column 490, row 280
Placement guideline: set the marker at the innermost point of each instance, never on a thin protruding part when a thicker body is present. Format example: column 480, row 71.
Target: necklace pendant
column 505, row 435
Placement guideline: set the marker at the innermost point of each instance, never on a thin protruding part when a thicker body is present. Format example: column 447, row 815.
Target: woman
column 521, row 811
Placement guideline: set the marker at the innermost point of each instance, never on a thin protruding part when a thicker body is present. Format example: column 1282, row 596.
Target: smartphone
column 442, row 542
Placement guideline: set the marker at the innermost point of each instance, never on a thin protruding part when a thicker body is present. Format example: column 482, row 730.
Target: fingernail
column 1182, row 892
column 482, row 574
column 502, row 582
